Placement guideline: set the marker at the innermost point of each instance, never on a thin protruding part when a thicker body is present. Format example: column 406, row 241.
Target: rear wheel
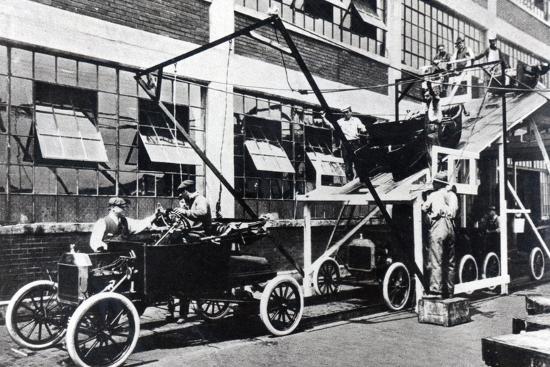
column 396, row 286
column 282, row 305
column 536, row 263
column 34, row 317
column 467, row 270
column 326, row 278
column 212, row 310
column 491, row 267
column 103, row 331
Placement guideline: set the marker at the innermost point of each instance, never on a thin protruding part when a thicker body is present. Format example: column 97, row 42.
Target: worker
column 351, row 128
column 492, row 54
column 462, row 52
column 116, row 224
column 441, row 58
column 194, row 207
column 490, row 227
column 441, row 207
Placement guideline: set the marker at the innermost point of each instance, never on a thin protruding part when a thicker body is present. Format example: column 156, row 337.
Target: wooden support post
column 418, row 247
column 308, row 289
column 503, row 214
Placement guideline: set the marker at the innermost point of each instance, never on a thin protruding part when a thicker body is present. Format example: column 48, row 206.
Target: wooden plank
column 540, row 143
column 308, row 289
column 481, row 283
column 444, row 312
column 418, row 247
column 503, row 215
column 517, row 350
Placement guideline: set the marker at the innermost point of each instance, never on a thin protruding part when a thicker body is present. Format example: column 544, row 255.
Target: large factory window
column 66, row 124
column 323, row 164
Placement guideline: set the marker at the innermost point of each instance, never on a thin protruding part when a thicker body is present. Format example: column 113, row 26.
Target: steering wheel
column 182, row 221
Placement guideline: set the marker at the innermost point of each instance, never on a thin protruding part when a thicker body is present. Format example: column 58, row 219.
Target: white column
column 308, row 290
column 503, row 215
column 219, row 109
column 418, row 246
column 393, row 43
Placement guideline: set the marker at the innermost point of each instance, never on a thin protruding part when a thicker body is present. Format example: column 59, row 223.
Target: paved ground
column 374, row 339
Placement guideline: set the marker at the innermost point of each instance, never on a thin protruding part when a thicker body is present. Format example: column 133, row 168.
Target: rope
column 219, row 202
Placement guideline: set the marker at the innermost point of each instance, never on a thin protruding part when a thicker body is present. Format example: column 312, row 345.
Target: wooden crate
column 536, row 305
column 530, row 323
column 517, row 350
column 445, row 312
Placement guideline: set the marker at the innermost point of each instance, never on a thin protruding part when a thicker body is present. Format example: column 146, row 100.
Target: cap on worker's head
column 186, row 185
column 459, row 39
column 441, row 45
column 492, row 207
column 491, row 35
column 346, row 109
column 440, row 177
column 116, row 201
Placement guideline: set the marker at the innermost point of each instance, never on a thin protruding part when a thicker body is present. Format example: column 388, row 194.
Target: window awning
column 162, row 147
column 268, row 157
column 367, row 13
column 67, row 134
column 327, row 164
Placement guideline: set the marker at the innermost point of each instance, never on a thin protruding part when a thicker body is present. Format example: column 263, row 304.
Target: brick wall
column 328, row 61
column 523, row 20
column 24, row 256
column 182, row 19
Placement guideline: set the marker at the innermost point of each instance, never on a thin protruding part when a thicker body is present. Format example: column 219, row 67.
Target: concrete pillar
column 393, row 42
column 219, row 108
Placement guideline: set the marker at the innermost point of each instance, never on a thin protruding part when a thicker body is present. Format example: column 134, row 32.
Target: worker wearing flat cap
column 441, row 207
column 351, row 127
column 462, row 52
column 116, row 224
column 194, row 207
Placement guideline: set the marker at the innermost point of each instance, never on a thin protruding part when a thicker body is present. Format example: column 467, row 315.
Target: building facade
column 76, row 129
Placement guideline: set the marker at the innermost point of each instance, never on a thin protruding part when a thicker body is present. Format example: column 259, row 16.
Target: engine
column 72, row 277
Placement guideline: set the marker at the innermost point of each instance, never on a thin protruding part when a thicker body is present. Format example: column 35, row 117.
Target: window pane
column 21, row 121
column 107, row 183
column 128, row 84
column 66, row 71
column 106, row 105
column 66, row 181
column 87, row 75
column 3, row 148
column 127, row 135
column 73, row 148
column 44, row 67
column 195, row 95
column 3, row 60
column 182, row 93
column 107, row 79
column 51, row 147
column 44, row 181
column 128, row 108
column 87, row 182
column 108, row 134
column 21, row 92
column 21, row 63
column 3, row 178
column 146, row 184
column 128, row 158
column 21, row 148
column 127, row 184
column 164, row 185
column 21, row 179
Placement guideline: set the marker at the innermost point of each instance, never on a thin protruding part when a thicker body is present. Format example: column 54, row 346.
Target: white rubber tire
column 385, row 286
column 9, row 316
column 85, row 307
column 536, row 251
column 461, row 266
column 318, row 290
column 486, row 263
column 264, row 301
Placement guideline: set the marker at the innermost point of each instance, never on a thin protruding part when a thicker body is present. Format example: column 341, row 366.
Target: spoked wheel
column 396, row 286
column 326, row 278
column 212, row 310
column 281, row 305
column 34, row 317
column 103, row 331
column 491, row 267
column 467, row 270
column 536, row 263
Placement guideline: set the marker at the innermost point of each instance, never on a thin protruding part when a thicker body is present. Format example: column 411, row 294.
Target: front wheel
column 212, row 310
column 103, row 331
column 281, row 305
column 326, row 278
column 536, row 263
column 491, row 267
column 396, row 286
column 34, row 317
column 467, row 270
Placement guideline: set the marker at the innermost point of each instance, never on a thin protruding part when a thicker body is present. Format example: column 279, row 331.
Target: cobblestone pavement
column 376, row 338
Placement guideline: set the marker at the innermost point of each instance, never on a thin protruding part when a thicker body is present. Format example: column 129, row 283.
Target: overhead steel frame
column 153, row 91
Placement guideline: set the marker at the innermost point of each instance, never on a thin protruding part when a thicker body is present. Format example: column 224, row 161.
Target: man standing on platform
column 441, row 207
column 351, row 127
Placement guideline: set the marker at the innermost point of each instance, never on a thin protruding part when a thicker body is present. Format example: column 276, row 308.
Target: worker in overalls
column 441, row 207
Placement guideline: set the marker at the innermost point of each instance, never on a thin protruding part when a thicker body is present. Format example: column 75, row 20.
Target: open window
column 66, row 124
column 162, row 142
column 365, row 18
column 326, row 168
column 317, row 8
